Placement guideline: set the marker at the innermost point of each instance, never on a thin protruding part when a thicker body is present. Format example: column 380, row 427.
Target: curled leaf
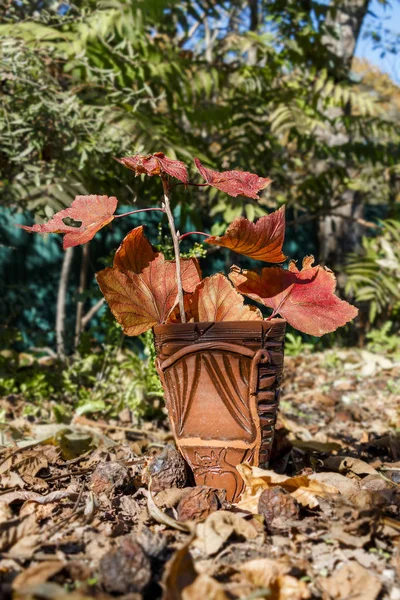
column 215, row 299
column 262, row 240
column 92, row 212
column 135, row 252
column 305, row 298
column 155, row 164
column 234, row 183
column 304, row 489
column 140, row 301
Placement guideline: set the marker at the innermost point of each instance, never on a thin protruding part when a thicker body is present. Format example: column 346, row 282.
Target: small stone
column 277, row 507
column 154, row 544
column 200, row 502
column 126, row 569
column 167, row 469
column 108, row 477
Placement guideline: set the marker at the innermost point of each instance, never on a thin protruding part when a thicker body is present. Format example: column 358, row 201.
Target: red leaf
column 155, row 164
column 234, row 183
column 304, row 298
column 135, row 252
column 94, row 212
column 214, row 299
column 262, row 240
column 140, row 301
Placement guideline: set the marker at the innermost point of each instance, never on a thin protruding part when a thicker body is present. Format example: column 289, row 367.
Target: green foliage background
column 253, row 85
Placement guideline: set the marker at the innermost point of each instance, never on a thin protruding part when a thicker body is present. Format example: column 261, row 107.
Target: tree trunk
column 61, row 302
column 338, row 236
column 82, row 287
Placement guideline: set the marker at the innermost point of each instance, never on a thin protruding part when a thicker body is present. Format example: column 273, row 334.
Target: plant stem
column 181, row 237
column 175, row 240
column 132, row 212
column 190, row 183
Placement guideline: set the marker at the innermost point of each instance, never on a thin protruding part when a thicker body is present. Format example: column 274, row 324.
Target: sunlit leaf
column 304, row 298
column 90, row 213
column 262, row 240
column 234, row 183
column 215, row 299
column 155, row 164
column 135, row 252
column 140, row 301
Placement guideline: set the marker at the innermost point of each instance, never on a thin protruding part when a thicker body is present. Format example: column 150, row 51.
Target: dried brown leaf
column 217, row 529
column 301, row 487
column 273, row 575
column 350, row 581
column 204, row 587
column 178, row 574
column 36, row 574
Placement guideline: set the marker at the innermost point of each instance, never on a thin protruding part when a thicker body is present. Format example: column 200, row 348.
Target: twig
column 84, row 422
column 182, row 237
column 91, row 312
column 175, row 240
column 139, row 210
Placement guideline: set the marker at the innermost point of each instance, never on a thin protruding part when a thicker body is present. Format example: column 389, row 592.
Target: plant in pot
column 220, row 361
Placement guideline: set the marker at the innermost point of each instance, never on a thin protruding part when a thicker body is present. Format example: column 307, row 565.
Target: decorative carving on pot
column 221, row 382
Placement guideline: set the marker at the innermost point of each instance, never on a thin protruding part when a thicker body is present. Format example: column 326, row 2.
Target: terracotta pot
column 221, row 383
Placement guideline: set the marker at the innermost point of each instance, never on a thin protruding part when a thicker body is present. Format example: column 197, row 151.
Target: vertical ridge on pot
column 220, row 382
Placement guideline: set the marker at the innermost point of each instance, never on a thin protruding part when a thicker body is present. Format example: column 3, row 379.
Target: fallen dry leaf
column 347, row 464
column 33, row 497
column 161, row 517
column 204, row 587
column 37, row 573
column 178, row 574
column 217, row 529
column 350, row 581
column 12, row 480
column 304, row 489
column 273, row 575
column 16, row 529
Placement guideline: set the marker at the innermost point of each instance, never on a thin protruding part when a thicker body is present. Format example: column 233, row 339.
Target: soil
column 95, row 509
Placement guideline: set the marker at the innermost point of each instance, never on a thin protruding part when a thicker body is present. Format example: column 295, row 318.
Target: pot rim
column 222, row 324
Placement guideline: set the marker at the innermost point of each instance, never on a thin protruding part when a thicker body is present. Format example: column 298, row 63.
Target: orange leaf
column 262, row 240
column 140, row 301
column 214, row 299
column 234, row 183
column 93, row 212
column 155, row 164
column 135, row 252
column 304, row 298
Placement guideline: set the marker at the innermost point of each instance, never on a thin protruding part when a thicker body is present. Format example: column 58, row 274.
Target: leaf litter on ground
column 92, row 509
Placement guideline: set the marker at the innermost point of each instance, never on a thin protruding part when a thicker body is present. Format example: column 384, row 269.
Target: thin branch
column 91, row 312
column 189, row 183
column 175, row 240
column 328, row 212
column 133, row 212
column 181, row 237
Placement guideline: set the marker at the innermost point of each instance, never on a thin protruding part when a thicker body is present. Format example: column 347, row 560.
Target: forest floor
column 77, row 519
